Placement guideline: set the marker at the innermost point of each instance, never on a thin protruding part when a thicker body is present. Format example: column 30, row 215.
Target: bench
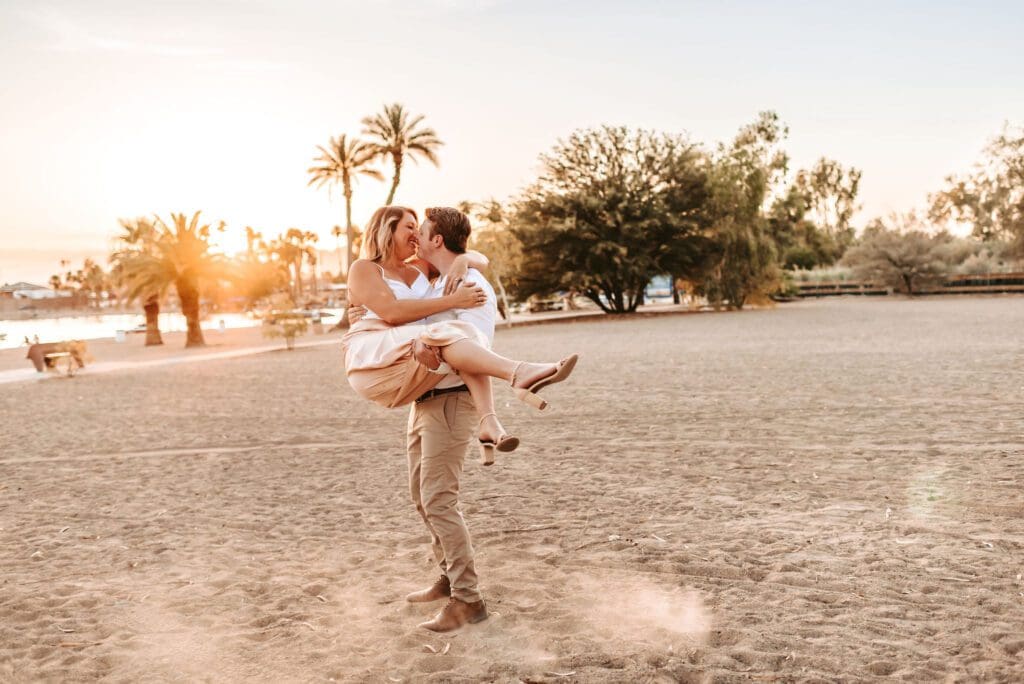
column 49, row 356
column 53, row 362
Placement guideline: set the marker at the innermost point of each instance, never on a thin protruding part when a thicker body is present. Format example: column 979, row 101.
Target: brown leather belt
column 436, row 392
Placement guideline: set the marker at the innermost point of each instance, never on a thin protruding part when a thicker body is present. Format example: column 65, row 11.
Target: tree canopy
column 901, row 254
column 990, row 199
column 612, row 208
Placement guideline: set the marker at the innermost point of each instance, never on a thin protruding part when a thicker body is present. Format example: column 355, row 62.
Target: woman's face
column 406, row 237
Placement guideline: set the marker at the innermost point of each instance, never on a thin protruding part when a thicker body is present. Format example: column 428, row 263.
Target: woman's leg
column 483, row 399
column 468, row 357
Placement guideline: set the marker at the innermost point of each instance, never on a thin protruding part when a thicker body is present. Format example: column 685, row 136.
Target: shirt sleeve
column 483, row 318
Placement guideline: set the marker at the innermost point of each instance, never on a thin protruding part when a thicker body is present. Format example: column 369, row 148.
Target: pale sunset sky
column 121, row 109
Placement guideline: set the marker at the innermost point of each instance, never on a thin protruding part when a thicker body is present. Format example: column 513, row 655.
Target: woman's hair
column 379, row 239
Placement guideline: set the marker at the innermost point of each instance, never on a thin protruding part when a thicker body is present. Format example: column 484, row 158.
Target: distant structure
column 24, row 290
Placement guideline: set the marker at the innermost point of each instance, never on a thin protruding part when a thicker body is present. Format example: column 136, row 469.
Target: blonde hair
column 379, row 240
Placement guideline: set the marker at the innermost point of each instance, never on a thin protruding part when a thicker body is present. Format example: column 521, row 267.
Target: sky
column 121, row 109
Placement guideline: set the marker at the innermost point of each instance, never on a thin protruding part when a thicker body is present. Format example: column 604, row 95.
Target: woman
column 380, row 349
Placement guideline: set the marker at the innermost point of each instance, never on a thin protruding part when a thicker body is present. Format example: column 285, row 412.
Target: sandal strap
column 515, row 372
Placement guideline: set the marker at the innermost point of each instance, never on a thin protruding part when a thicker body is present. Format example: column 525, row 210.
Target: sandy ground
column 827, row 491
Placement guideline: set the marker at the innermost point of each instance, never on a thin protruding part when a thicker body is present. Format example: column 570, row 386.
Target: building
column 24, row 290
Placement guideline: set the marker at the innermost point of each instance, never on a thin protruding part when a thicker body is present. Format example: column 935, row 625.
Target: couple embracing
column 422, row 325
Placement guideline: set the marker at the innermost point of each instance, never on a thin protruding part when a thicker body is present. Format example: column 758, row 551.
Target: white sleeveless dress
column 378, row 356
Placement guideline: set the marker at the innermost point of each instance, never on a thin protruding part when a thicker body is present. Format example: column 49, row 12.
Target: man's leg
column 448, row 423
column 414, row 449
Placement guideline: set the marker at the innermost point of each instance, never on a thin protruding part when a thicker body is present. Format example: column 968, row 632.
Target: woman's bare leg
column 479, row 386
column 483, row 399
column 468, row 357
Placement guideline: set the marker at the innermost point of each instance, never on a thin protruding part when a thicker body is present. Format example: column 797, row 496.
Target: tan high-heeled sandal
column 528, row 395
column 504, row 443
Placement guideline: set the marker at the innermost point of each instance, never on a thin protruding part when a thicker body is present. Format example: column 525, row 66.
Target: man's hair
column 452, row 225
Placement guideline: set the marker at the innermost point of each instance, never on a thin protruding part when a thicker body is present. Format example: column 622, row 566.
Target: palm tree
column 180, row 257
column 139, row 237
column 293, row 248
column 342, row 162
column 396, row 135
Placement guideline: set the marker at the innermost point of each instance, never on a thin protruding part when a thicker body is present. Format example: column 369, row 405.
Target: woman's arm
column 367, row 288
column 460, row 267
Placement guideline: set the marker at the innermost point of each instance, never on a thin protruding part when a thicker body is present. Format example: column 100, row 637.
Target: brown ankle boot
column 442, row 588
column 455, row 614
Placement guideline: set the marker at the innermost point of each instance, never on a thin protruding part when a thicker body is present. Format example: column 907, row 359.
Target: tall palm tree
column 138, row 237
column 396, row 135
column 181, row 257
column 342, row 162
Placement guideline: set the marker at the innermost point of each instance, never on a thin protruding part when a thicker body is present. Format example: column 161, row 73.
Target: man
column 441, row 425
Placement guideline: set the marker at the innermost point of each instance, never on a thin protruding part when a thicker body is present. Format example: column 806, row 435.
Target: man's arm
column 482, row 317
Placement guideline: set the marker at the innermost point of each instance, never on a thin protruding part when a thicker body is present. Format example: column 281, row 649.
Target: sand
column 826, row 491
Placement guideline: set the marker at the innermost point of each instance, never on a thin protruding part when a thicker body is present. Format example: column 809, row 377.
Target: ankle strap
column 486, row 416
column 515, row 372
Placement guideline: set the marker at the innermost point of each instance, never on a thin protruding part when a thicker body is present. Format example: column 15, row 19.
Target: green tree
column 341, row 163
column 901, row 254
column 810, row 222
column 740, row 181
column 493, row 236
column 181, row 258
column 139, row 237
column 612, row 208
column 396, row 135
column 990, row 199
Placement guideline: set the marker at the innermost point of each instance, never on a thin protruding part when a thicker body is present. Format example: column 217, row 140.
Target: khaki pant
column 440, row 430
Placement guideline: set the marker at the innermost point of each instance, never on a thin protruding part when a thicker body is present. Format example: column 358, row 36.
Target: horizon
column 127, row 111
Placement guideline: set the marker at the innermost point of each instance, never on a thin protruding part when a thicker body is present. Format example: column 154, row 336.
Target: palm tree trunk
column 152, row 309
column 188, row 293
column 396, row 180
column 349, row 232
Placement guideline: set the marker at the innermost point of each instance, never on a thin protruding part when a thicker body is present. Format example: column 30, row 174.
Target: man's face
column 427, row 245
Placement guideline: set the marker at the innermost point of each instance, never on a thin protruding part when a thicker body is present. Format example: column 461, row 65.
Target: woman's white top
column 420, row 289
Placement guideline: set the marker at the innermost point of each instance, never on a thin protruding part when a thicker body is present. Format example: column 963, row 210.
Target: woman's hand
column 467, row 296
column 456, row 274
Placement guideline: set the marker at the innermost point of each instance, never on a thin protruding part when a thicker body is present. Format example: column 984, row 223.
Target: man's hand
column 426, row 355
column 355, row 314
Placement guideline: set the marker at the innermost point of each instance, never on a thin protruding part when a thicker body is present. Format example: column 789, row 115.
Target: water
column 104, row 326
